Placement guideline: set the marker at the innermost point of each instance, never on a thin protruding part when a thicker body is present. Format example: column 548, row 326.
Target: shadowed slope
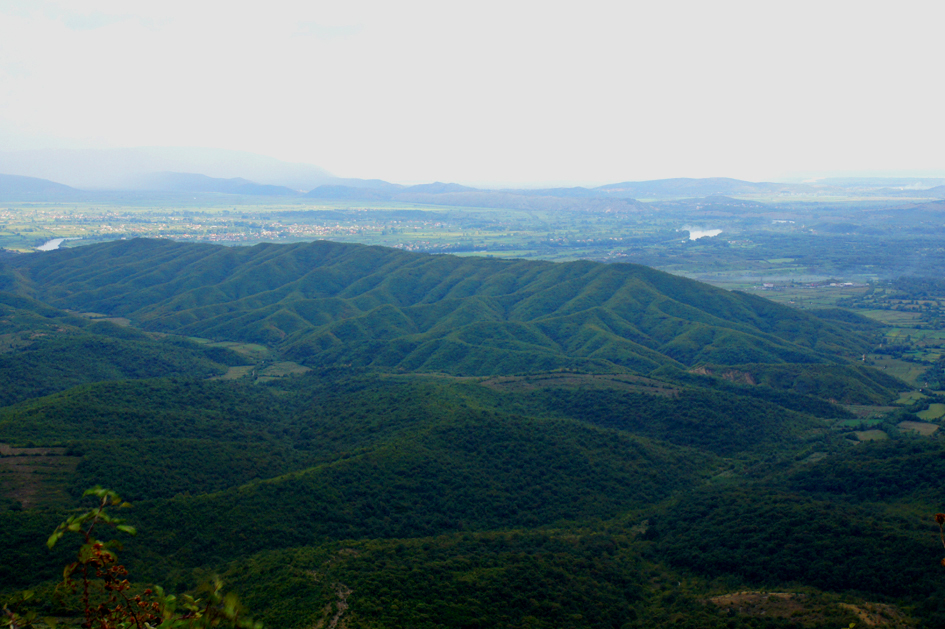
column 44, row 350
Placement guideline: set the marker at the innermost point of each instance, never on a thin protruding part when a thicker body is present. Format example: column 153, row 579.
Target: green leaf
column 57, row 534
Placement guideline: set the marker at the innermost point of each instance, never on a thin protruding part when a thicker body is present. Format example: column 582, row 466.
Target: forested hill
column 44, row 350
column 638, row 450
column 325, row 303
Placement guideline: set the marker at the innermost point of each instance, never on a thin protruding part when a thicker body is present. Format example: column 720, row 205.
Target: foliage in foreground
column 107, row 597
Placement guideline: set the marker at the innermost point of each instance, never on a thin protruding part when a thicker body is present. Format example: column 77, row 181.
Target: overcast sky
column 488, row 92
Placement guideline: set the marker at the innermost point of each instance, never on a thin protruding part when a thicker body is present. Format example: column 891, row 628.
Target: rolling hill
column 327, row 303
column 476, row 442
column 44, row 350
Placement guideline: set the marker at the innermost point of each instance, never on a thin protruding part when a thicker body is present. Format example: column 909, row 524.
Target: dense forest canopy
column 327, row 303
column 432, row 441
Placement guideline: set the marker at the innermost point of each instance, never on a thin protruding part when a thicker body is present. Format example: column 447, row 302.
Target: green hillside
column 327, row 303
column 406, row 477
column 322, row 460
column 846, row 384
column 545, row 579
column 23, row 319
column 470, row 473
column 44, row 350
column 475, row 443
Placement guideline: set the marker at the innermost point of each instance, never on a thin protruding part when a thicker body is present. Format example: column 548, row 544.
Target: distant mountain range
column 190, row 182
column 124, row 169
column 685, row 187
column 17, row 188
column 101, row 174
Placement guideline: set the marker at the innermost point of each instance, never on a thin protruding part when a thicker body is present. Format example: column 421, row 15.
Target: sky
column 489, row 93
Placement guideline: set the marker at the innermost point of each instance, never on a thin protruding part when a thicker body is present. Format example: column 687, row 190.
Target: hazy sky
column 488, row 92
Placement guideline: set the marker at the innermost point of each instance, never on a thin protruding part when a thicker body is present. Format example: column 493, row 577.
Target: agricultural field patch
column 934, row 411
column 796, row 296
column 282, row 369
column 855, row 423
column 253, row 351
column 235, row 373
column 869, row 412
column 906, row 371
column 895, row 318
column 278, row 370
column 871, row 435
column 923, row 428
column 908, row 397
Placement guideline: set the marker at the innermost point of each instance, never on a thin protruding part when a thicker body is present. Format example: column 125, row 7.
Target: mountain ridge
column 176, row 171
column 114, row 169
column 326, row 303
column 21, row 188
column 193, row 182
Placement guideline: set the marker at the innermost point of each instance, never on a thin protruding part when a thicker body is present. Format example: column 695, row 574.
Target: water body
column 696, row 234
column 51, row 245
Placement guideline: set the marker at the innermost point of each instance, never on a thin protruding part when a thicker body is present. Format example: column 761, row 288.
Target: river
column 51, row 245
column 696, row 234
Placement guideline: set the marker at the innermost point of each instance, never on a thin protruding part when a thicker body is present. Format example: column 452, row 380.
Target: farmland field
column 909, row 372
column 871, row 435
column 935, row 411
column 924, row 429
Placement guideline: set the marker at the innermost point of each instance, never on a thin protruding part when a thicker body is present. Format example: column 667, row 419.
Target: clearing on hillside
column 924, row 429
column 934, row 411
column 871, row 435
column 635, row 384
column 35, row 476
